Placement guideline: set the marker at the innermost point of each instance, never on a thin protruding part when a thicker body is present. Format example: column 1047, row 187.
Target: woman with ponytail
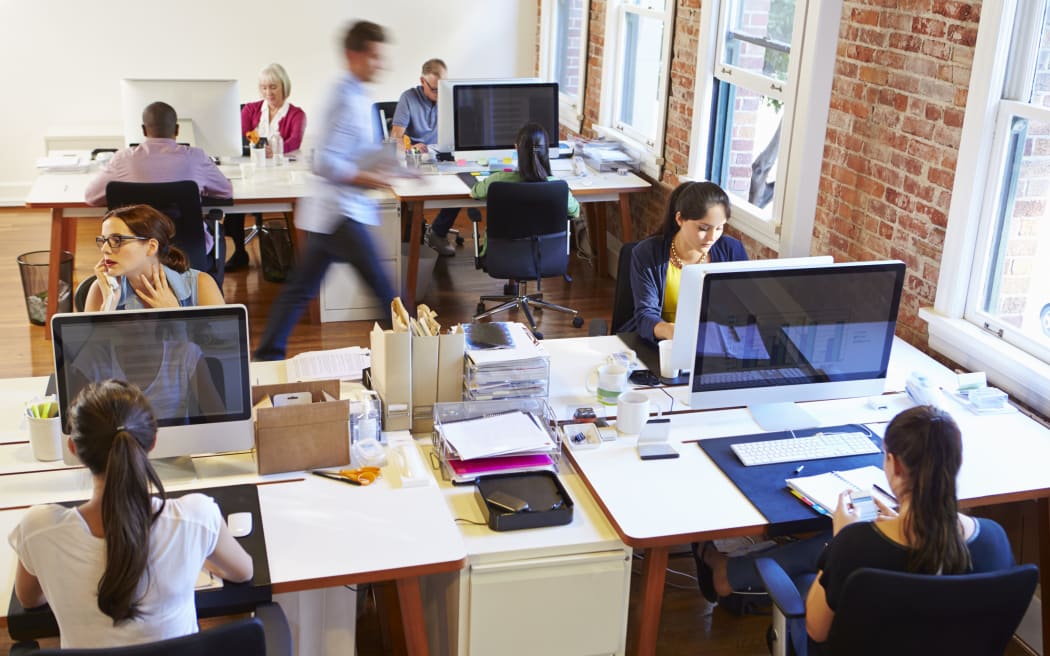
column 696, row 214
column 141, row 268
column 121, row 568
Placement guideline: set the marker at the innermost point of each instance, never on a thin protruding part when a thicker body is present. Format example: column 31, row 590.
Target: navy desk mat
column 764, row 487
column 231, row 598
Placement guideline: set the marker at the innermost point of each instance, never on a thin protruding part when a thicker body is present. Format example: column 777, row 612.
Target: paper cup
column 45, row 437
column 666, row 370
column 632, row 411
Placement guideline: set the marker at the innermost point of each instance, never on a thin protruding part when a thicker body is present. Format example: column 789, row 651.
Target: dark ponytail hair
column 693, row 199
column 534, row 163
column 927, row 442
column 113, row 429
column 144, row 221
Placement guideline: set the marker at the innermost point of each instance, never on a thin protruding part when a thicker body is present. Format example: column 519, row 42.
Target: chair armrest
column 275, row 628
column 781, row 588
column 215, row 201
column 474, row 214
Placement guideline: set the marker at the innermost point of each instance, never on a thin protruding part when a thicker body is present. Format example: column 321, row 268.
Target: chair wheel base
column 577, row 322
column 460, row 240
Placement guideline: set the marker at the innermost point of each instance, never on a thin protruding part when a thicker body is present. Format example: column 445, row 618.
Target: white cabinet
column 344, row 294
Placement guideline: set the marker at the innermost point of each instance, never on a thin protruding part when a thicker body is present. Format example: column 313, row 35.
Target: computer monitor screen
column 488, row 116
column 208, row 110
column 191, row 363
column 769, row 338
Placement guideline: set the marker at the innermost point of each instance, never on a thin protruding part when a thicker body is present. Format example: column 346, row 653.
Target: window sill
column 650, row 162
column 1021, row 375
column 569, row 119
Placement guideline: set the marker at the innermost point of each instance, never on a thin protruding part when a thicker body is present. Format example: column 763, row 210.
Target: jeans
column 798, row 559
column 350, row 243
column 444, row 220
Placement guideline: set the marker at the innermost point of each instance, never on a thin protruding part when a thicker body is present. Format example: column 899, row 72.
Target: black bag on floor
column 275, row 249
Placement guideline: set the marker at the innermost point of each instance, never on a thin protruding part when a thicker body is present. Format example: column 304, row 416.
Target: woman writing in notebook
column 141, row 268
column 926, row 534
column 696, row 215
column 121, row 568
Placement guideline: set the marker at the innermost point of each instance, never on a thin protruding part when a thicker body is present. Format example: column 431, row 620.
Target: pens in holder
column 44, row 409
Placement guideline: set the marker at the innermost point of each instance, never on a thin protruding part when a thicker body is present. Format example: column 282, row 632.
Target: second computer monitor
column 481, row 118
column 208, row 110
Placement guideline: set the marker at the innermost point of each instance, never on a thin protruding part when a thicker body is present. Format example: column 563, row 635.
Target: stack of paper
column 340, row 364
column 504, row 361
column 503, row 443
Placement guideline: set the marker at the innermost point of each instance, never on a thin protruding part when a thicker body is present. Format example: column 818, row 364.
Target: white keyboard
column 800, row 449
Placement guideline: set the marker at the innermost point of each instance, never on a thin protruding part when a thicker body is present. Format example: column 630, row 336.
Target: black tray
column 549, row 503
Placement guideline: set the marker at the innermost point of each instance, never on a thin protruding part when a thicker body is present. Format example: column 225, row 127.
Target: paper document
column 342, row 364
column 513, row 432
column 823, row 489
column 488, row 343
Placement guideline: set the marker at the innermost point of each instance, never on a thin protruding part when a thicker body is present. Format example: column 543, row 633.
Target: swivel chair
column 623, row 298
column 885, row 612
column 526, row 238
column 180, row 202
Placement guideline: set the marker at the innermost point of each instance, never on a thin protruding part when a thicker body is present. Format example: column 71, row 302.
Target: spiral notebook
column 822, row 491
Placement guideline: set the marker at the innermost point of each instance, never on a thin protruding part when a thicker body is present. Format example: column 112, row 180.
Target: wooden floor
column 687, row 626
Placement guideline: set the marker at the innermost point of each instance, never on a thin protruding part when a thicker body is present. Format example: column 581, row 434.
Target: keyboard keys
column 798, row 449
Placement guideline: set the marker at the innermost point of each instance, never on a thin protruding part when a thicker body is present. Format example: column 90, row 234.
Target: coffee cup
column 632, row 411
column 45, row 438
column 666, row 370
column 607, row 381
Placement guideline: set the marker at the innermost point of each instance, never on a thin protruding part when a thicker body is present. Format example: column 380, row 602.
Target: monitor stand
column 782, row 416
column 175, row 470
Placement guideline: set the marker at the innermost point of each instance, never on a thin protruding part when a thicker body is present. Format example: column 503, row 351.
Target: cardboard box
column 298, row 437
column 437, row 376
column 392, row 376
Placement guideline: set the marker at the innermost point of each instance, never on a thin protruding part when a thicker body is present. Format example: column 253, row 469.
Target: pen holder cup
column 45, row 438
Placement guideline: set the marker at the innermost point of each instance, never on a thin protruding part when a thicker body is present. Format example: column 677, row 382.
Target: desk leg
column 626, row 227
column 411, row 600
column 601, row 243
column 648, row 622
column 414, row 214
column 63, row 238
column 1043, row 532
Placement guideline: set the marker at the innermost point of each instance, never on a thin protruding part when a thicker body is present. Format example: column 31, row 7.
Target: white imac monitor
column 192, row 364
column 208, row 110
column 770, row 338
column 481, row 118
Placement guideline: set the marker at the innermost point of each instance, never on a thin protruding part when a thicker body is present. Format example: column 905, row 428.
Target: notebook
column 822, row 491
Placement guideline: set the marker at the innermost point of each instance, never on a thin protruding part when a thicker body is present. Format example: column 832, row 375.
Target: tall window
column 638, row 35
column 758, row 109
column 563, row 55
column 995, row 273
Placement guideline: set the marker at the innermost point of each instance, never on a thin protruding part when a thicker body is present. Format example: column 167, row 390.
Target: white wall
column 63, row 59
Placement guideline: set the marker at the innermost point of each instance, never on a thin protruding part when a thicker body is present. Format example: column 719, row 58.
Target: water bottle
column 277, row 146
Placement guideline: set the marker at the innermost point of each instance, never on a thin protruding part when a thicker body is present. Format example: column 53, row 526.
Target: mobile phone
column 506, row 501
column 865, row 506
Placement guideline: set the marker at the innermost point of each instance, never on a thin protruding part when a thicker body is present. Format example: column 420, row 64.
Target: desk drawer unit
column 344, row 294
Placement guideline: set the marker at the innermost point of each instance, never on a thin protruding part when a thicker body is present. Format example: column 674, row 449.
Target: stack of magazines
column 504, row 361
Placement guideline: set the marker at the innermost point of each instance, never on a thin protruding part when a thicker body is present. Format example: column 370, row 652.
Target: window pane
column 657, row 5
column 1018, row 289
column 641, row 75
column 568, row 69
column 758, row 37
column 747, row 144
column 1039, row 94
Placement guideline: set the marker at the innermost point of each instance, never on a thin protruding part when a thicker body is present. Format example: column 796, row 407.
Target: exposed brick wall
column 897, row 103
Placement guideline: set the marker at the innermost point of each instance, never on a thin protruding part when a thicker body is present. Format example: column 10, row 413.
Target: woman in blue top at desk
column 140, row 268
column 121, row 568
column 534, row 165
column 697, row 213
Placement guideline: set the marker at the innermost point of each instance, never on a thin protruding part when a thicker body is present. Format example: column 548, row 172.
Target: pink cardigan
column 291, row 126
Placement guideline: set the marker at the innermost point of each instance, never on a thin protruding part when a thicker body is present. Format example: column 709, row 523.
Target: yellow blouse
column 670, row 308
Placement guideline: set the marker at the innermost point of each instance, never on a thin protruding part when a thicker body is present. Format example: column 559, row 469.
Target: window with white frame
column 763, row 87
column 563, row 55
column 993, row 294
column 638, row 35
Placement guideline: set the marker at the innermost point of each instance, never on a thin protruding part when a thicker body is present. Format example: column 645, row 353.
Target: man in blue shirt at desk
column 417, row 116
column 336, row 215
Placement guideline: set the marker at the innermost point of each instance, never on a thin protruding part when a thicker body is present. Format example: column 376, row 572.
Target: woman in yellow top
column 697, row 213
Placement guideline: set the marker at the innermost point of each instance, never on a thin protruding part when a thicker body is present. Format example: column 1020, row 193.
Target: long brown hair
column 145, row 221
column 113, row 428
column 927, row 441
column 534, row 162
column 693, row 199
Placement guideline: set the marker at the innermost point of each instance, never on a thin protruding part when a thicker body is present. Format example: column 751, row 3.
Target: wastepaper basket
column 275, row 249
column 34, row 267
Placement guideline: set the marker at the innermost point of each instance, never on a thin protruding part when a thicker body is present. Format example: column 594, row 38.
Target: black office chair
column 80, row 297
column 265, row 634
column 623, row 298
column 883, row 612
column 526, row 238
column 382, row 119
column 181, row 202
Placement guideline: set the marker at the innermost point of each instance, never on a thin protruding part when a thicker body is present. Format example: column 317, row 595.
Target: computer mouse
column 240, row 523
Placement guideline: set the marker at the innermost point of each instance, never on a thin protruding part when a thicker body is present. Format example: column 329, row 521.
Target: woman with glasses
column 141, row 268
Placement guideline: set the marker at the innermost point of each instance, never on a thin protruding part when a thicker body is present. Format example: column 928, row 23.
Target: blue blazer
column 649, row 273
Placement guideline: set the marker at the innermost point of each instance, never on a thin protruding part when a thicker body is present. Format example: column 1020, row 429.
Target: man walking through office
column 416, row 116
column 336, row 215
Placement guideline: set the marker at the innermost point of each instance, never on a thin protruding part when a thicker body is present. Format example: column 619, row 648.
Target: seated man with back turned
column 416, row 116
column 159, row 159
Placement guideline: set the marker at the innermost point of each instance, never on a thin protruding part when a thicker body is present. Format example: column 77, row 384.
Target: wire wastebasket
column 33, row 267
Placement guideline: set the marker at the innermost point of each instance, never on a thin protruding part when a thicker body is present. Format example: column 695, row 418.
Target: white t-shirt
column 55, row 544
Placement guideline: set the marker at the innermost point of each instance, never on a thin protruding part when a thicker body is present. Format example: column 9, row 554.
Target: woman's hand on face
column 845, row 514
column 155, row 291
column 106, row 285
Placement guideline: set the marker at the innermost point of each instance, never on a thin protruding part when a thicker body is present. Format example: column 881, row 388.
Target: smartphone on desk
column 657, row 451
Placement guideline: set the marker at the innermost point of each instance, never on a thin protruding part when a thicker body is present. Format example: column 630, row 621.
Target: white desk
column 1004, row 459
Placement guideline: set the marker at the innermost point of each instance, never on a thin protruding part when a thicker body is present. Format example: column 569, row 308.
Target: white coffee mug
column 632, row 411
column 45, row 438
column 607, row 381
column 666, row 370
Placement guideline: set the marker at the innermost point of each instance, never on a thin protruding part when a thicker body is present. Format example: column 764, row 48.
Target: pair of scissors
column 359, row 476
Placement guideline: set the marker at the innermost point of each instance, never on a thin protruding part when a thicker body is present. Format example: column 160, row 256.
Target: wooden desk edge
column 370, row 577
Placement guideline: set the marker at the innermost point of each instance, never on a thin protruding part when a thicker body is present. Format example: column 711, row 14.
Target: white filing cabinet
column 561, row 590
column 344, row 294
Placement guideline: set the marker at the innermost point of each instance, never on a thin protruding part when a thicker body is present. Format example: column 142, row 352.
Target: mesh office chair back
column 526, row 237
column 181, row 202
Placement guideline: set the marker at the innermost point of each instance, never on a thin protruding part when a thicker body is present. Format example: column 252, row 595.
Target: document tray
column 549, row 504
